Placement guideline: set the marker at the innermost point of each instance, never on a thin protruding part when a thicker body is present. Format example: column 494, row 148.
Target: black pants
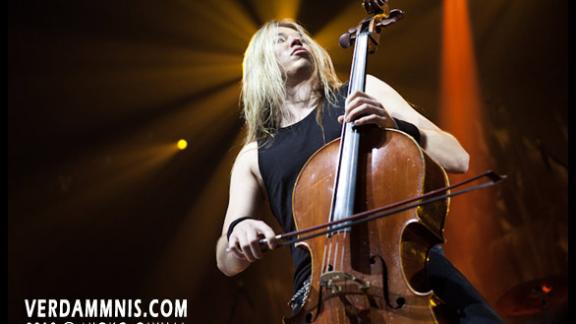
column 463, row 302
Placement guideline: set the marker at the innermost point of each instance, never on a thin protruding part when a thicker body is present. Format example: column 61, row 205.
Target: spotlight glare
column 182, row 144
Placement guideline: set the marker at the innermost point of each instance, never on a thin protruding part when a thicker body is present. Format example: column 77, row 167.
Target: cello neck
column 359, row 61
column 345, row 182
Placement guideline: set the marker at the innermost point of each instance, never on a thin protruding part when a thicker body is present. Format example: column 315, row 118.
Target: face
column 292, row 52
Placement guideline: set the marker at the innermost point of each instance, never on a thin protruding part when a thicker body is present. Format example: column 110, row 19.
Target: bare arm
column 234, row 256
column 438, row 144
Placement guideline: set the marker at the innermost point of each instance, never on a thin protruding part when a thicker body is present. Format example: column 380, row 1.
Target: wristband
column 409, row 129
column 234, row 223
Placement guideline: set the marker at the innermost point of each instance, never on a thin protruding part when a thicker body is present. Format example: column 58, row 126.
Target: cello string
column 335, row 236
column 329, row 254
column 343, row 250
column 323, row 266
column 333, row 244
column 337, row 244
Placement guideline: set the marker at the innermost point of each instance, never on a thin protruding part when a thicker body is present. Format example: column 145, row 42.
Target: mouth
column 299, row 50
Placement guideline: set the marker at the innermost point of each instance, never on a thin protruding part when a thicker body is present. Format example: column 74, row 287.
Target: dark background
column 101, row 204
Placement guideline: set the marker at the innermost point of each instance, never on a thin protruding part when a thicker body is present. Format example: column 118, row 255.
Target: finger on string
column 361, row 111
column 370, row 119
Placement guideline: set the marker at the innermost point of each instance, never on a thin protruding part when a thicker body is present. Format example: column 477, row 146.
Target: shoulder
column 249, row 148
column 247, row 157
column 247, row 160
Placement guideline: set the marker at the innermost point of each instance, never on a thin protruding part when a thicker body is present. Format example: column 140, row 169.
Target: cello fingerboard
column 345, row 182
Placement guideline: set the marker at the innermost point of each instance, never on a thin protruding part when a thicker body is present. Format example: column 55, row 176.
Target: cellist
column 293, row 103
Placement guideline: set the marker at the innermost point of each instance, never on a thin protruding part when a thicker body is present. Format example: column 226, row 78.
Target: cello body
column 374, row 272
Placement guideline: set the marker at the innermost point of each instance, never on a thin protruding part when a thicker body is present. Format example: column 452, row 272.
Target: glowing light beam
column 225, row 21
column 268, row 10
column 470, row 224
column 329, row 35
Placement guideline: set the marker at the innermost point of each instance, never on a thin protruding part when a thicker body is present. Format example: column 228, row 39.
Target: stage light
column 546, row 288
column 182, row 144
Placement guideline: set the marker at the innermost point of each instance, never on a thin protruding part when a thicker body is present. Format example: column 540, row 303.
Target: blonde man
column 294, row 103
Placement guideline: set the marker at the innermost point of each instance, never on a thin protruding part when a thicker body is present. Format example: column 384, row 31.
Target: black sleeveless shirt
column 281, row 159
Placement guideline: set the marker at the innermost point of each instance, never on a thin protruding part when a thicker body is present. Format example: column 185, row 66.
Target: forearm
column 227, row 262
column 445, row 149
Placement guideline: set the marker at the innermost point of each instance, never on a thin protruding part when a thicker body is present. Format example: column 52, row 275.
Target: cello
column 371, row 272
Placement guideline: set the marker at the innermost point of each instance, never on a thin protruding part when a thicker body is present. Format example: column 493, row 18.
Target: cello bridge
column 342, row 282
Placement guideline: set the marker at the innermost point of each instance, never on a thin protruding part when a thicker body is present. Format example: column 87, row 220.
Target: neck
column 301, row 98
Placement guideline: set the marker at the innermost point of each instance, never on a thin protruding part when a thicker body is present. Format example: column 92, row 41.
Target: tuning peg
column 347, row 39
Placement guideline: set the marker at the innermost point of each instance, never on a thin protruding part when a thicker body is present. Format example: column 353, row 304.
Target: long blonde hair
column 263, row 84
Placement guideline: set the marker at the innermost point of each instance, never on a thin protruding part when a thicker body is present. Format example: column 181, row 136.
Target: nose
column 295, row 40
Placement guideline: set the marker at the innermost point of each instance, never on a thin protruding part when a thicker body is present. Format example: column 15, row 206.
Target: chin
column 303, row 65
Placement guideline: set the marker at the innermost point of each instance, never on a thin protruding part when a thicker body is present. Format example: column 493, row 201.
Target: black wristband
column 234, row 223
column 409, row 129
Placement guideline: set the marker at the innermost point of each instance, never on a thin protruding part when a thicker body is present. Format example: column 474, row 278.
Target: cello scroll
column 381, row 16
